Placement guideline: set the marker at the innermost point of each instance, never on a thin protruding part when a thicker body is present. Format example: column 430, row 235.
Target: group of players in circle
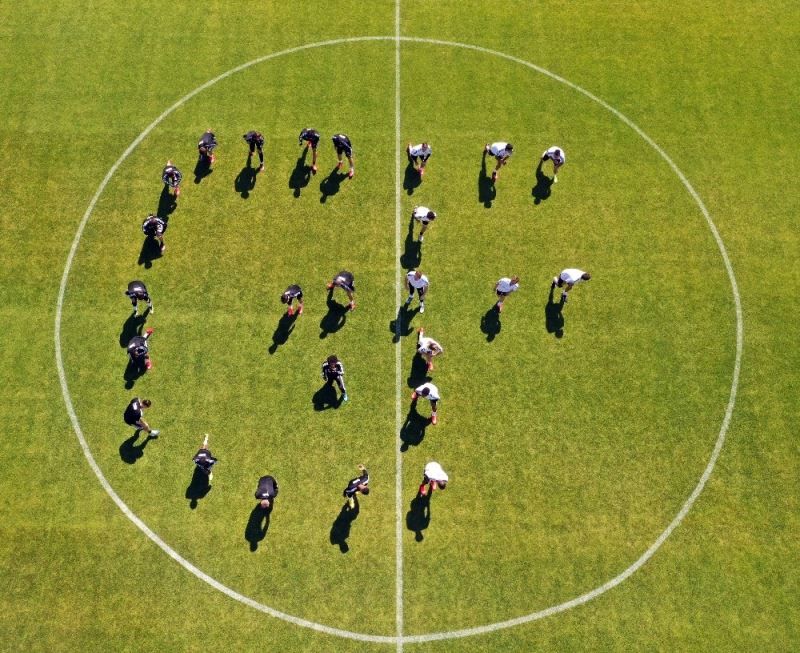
column 154, row 226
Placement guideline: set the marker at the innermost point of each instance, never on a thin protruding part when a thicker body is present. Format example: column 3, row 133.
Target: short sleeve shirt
column 505, row 286
column 434, row 472
column 499, row 149
column 572, row 275
column 559, row 158
column 421, row 150
column 434, row 391
column 428, row 346
column 419, row 284
column 421, row 214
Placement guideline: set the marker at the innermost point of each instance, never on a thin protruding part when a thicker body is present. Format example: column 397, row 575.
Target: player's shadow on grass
column 418, row 517
column 245, row 181
column 412, row 179
column 301, row 175
column 326, row 397
column 412, row 433
column 541, row 191
column 335, row 318
column 198, row 488
column 130, row 452
column 486, row 189
column 419, row 372
column 340, row 530
column 132, row 327
column 490, row 323
column 257, row 525
column 167, row 203
column 132, row 373
column 400, row 326
column 553, row 315
column 202, row 169
column 412, row 252
column 331, row 184
column 151, row 251
column 282, row 331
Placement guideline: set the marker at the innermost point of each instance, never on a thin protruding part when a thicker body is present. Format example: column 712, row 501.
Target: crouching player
column 139, row 351
column 293, row 292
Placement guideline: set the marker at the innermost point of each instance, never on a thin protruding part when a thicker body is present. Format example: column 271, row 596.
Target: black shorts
column 420, row 291
column 502, row 294
column 344, row 150
column 255, row 146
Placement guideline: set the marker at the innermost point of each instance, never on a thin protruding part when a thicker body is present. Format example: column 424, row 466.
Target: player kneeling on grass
column 433, row 478
column 419, row 154
column 333, row 371
column 255, row 141
column 134, row 415
column 419, row 282
column 557, row 156
column 204, row 460
column 504, row 288
column 289, row 295
column 356, row 485
column 137, row 292
column 154, row 227
column 424, row 216
column 267, row 491
column 569, row 277
column 431, row 393
column 206, row 146
column 343, row 147
column 172, row 178
column 311, row 139
column 139, row 351
column 427, row 348
column 346, row 281
column 501, row 151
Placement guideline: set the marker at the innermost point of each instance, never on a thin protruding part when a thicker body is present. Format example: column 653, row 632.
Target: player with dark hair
column 206, row 146
column 333, row 371
column 424, row 216
column 433, row 478
column 204, row 460
column 137, row 292
column 415, row 280
column 431, row 393
column 311, row 139
column 356, row 485
column 419, row 153
column 134, row 415
column 255, row 141
column 428, row 348
column 557, row 156
column 154, row 227
column 172, row 177
column 346, row 281
column 569, row 277
column 289, row 295
column 503, row 288
column 139, row 351
column 343, row 147
column 267, row 491
column 501, row 151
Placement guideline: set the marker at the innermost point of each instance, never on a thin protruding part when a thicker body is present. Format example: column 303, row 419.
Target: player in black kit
column 289, row 295
column 255, row 141
column 139, row 351
column 154, row 227
column 344, row 147
column 333, row 371
column 267, row 491
column 134, row 415
column 204, row 460
column 346, row 282
column 356, row 485
column 137, row 292
column 311, row 139
column 205, row 148
column 172, row 177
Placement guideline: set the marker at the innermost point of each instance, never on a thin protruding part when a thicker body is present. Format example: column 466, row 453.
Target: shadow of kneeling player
column 340, row 530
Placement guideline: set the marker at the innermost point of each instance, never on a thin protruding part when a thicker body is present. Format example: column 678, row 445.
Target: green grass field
column 569, row 452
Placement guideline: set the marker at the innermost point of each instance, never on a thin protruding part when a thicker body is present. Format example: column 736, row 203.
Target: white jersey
column 571, row 275
column 499, row 149
column 556, row 154
column 434, row 391
column 433, row 472
column 505, row 286
column 423, row 150
column 429, row 346
column 421, row 283
column 420, row 214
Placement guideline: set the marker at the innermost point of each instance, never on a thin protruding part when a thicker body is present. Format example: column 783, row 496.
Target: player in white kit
column 431, row 393
column 419, row 153
column 569, row 277
column 427, row 348
column 424, row 216
column 433, row 478
column 557, row 156
column 419, row 282
column 504, row 288
column 501, row 151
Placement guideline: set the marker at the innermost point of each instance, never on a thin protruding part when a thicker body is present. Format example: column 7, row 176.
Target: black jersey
column 204, row 460
column 134, row 412
column 207, row 143
column 267, row 488
column 171, row 176
column 342, row 144
column 154, row 226
column 292, row 292
column 352, row 486
column 254, row 138
column 137, row 290
column 346, row 280
column 138, row 347
column 310, row 136
column 332, row 372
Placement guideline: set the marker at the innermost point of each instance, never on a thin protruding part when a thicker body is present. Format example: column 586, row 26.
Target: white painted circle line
column 466, row 632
